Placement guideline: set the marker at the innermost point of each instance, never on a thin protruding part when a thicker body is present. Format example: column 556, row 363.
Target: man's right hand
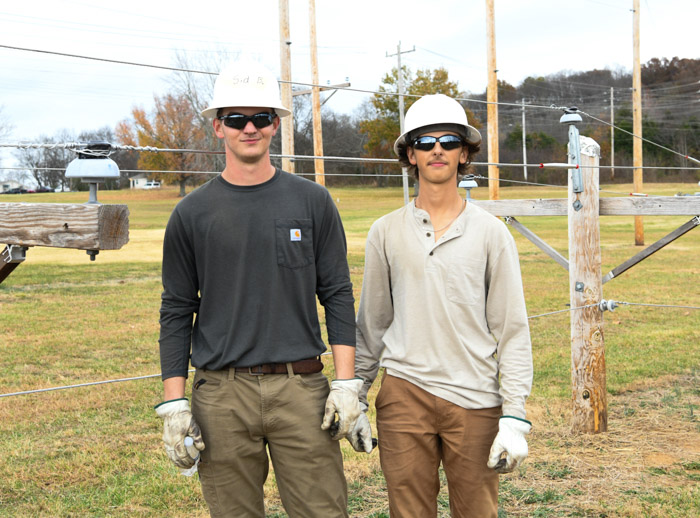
column 179, row 423
column 361, row 433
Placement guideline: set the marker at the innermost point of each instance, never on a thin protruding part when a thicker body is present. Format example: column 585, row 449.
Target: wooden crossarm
column 64, row 225
column 651, row 206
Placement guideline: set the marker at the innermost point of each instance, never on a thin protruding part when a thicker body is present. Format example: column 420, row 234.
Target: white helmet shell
column 246, row 84
column 437, row 111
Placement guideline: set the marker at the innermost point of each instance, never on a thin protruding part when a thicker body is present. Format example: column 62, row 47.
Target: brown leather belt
column 310, row 366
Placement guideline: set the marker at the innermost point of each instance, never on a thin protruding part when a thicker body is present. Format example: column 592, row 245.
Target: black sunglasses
column 447, row 142
column 239, row 121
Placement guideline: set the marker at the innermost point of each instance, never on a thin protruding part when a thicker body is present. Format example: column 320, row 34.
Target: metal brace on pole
column 687, row 227
column 571, row 117
column 10, row 258
column 538, row 242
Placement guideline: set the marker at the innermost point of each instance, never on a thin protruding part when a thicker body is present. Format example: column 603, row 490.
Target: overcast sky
column 42, row 93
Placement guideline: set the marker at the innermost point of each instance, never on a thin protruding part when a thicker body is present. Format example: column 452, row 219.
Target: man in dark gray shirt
column 248, row 253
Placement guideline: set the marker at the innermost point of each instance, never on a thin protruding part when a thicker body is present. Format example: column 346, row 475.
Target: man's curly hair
column 472, row 149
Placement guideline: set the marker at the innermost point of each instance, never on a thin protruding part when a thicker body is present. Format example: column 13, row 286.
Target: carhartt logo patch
column 295, row 234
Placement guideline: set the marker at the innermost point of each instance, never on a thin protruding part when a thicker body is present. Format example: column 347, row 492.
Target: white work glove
column 361, row 434
column 179, row 423
column 344, row 399
column 511, row 441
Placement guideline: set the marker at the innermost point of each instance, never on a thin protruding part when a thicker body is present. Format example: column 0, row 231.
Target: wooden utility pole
column 319, row 165
column 612, row 134
column 637, row 126
column 590, row 413
column 492, row 99
column 524, row 144
column 286, row 86
column 399, row 76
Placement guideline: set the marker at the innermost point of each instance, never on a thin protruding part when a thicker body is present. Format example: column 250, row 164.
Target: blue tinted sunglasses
column 447, row 142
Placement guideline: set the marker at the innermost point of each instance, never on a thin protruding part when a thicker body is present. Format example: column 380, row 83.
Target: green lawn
column 96, row 451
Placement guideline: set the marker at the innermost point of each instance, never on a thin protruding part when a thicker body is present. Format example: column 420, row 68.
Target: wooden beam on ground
column 627, row 206
column 64, row 225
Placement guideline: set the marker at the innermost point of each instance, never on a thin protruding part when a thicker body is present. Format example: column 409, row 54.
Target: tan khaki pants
column 242, row 416
column 416, row 431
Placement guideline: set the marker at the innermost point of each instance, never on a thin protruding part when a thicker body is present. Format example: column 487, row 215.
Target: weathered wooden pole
column 286, row 86
column 90, row 226
column 492, row 99
column 319, row 166
column 590, row 413
column 637, row 149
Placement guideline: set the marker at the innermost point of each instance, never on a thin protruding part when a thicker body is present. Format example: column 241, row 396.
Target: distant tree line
column 670, row 105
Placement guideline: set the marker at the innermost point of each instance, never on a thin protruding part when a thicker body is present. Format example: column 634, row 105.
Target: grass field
column 96, row 450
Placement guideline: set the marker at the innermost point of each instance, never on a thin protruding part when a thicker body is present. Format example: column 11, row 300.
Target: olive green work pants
column 417, row 431
column 242, row 416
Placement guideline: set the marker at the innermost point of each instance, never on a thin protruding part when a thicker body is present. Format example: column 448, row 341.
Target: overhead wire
column 519, row 105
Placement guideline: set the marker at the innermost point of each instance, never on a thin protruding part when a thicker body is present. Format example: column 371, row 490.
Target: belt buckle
column 258, row 373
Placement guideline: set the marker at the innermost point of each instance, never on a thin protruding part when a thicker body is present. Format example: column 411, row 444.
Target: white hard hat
column 246, row 84
column 433, row 113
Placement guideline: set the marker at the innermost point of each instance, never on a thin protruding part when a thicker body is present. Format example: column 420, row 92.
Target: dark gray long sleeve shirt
column 249, row 262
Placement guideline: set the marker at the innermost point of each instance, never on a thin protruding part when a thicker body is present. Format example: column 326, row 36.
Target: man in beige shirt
column 442, row 310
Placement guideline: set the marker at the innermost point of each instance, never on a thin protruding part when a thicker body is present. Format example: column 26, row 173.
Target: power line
column 688, row 157
column 519, row 105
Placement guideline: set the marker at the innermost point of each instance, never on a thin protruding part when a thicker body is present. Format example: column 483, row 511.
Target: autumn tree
column 382, row 127
column 172, row 124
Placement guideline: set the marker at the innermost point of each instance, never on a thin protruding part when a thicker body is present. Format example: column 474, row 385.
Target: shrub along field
column 96, row 450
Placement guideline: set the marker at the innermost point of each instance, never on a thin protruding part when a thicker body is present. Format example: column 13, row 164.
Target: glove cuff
column 515, row 424
column 354, row 385
column 172, row 407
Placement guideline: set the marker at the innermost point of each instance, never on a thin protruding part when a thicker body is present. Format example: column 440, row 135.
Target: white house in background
column 138, row 181
column 8, row 185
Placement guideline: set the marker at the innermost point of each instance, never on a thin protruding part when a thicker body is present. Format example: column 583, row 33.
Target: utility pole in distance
column 319, row 166
column 286, row 86
column 492, row 99
column 637, row 154
column 612, row 134
column 524, row 144
column 404, row 171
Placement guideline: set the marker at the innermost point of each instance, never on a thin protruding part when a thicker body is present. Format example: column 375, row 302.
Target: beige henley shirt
column 448, row 316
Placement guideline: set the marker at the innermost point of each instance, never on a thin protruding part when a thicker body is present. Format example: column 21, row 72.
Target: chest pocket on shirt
column 466, row 282
column 294, row 242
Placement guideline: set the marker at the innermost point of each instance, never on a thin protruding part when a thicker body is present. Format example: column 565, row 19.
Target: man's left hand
column 510, row 441
column 344, row 400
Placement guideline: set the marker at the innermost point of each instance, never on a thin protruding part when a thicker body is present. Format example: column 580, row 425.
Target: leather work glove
column 178, row 423
column 344, row 399
column 361, row 434
column 510, row 441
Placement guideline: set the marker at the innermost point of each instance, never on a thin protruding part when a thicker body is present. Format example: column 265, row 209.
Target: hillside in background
column 671, row 118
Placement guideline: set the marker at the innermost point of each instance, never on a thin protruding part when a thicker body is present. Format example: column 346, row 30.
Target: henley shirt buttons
column 430, row 253
column 425, row 221
column 428, row 234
